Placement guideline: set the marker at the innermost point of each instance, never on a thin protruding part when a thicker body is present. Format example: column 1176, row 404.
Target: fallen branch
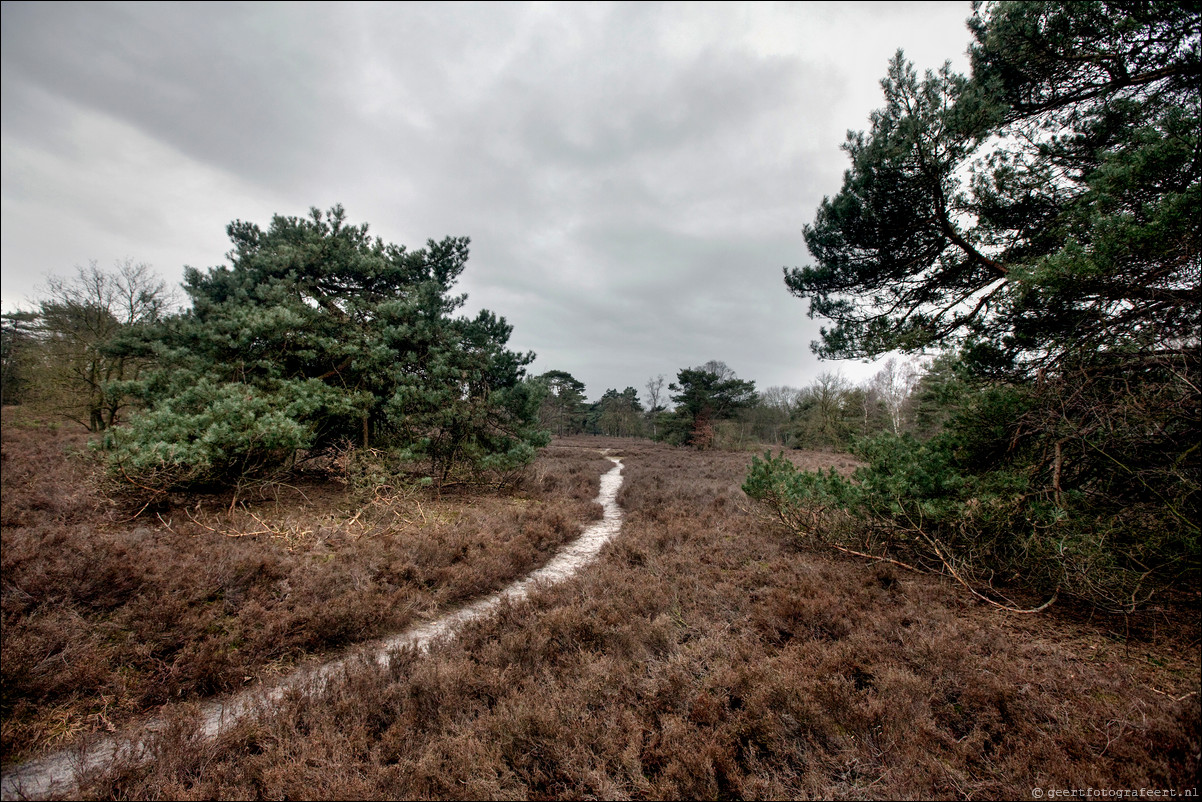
column 951, row 569
column 877, row 558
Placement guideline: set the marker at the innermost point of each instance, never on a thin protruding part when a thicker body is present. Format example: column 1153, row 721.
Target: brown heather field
column 702, row 656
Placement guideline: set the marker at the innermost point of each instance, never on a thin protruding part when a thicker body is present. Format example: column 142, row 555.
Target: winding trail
column 56, row 772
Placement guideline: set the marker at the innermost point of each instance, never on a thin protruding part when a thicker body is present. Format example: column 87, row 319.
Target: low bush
column 1003, row 496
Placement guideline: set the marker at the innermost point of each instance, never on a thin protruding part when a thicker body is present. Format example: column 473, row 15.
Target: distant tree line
column 708, row 406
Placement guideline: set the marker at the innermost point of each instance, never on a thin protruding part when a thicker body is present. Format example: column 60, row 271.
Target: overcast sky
column 633, row 177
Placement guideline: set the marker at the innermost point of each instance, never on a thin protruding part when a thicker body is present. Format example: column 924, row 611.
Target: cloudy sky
column 633, row 176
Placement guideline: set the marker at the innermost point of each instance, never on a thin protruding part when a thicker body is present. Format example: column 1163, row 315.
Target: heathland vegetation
column 702, row 655
column 311, row 451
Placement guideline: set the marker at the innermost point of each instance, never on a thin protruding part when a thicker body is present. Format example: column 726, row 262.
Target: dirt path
column 56, row 773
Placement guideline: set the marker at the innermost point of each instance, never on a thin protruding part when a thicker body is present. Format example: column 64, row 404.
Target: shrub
column 989, row 499
column 315, row 336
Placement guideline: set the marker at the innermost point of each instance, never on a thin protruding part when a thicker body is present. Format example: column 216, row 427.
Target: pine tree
column 706, row 394
column 1039, row 221
column 315, row 337
column 1046, row 206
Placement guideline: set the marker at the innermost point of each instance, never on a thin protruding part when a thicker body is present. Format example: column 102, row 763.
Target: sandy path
column 56, row 773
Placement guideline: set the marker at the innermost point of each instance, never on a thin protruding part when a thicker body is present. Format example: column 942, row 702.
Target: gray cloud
column 633, row 176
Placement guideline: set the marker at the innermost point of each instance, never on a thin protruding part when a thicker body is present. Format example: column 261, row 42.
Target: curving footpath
column 56, row 773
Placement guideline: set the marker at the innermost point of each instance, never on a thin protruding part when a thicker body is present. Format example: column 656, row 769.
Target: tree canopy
column 563, row 409
column 316, row 336
column 617, row 414
column 711, row 390
column 1048, row 203
column 707, row 393
column 64, row 355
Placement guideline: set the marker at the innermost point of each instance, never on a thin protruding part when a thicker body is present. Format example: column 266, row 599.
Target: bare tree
column 720, row 369
column 781, row 398
column 78, row 319
column 773, row 415
column 895, row 383
column 826, row 413
column 867, row 402
column 655, row 388
column 829, row 392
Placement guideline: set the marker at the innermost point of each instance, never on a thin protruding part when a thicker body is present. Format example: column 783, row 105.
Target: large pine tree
column 1046, row 205
column 317, row 336
column 1040, row 218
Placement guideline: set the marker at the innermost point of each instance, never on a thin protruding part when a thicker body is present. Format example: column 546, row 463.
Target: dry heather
column 704, row 656
column 106, row 616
